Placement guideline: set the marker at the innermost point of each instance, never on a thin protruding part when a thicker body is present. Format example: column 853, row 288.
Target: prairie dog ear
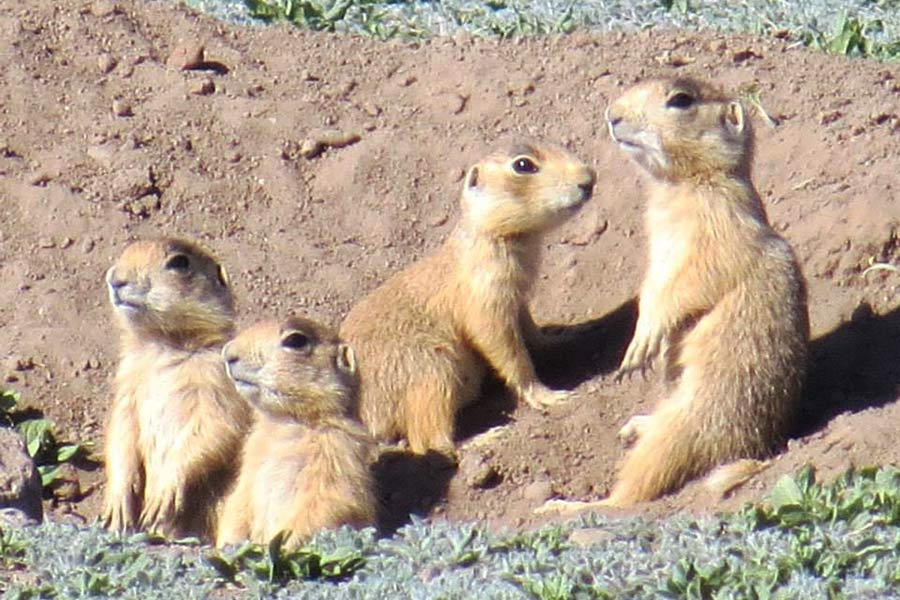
column 734, row 117
column 472, row 178
column 346, row 359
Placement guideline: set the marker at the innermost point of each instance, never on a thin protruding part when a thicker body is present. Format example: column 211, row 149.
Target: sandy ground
column 104, row 139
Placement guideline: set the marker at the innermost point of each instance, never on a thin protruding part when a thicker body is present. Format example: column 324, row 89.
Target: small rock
column 538, row 492
column 46, row 242
column 121, row 108
column 315, row 145
column 106, row 63
column 66, row 242
column 66, row 486
column 204, row 87
column 20, row 484
column 104, row 8
column 373, row 110
column 826, row 118
column 590, row 536
column 478, row 472
column 452, row 102
column 744, row 55
column 186, row 55
column 87, row 245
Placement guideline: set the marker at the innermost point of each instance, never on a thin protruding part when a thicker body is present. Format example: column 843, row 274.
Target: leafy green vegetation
column 805, row 540
column 866, row 28
column 40, row 441
column 275, row 564
column 852, row 36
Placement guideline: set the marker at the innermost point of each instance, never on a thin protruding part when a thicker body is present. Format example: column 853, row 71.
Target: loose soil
column 105, row 139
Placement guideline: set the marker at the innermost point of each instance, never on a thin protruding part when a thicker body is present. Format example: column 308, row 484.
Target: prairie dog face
column 528, row 189
column 173, row 289
column 296, row 370
column 678, row 128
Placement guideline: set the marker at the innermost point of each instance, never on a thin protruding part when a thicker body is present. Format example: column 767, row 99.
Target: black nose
column 611, row 119
column 586, row 188
column 228, row 355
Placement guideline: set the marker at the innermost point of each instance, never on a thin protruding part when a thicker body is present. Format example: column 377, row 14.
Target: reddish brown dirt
column 101, row 142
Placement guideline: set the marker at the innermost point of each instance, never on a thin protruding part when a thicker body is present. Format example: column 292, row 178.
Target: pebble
column 315, row 145
column 106, row 63
column 121, row 108
column 104, row 8
column 538, row 491
column 187, row 54
column 203, row 87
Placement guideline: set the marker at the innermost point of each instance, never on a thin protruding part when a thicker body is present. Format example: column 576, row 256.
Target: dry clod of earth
column 104, row 142
column 20, row 484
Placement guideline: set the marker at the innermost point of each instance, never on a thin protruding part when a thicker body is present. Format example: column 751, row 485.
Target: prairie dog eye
column 179, row 262
column 524, row 166
column 680, row 100
column 295, row 341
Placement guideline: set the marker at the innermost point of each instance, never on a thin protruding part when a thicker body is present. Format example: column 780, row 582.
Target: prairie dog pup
column 306, row 462
column 177, row 422
column 723, row 301
column 425, row 337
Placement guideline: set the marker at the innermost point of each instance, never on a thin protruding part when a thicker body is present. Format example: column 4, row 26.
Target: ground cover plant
column 39, row 435
column 805, row 540
column 868, row 28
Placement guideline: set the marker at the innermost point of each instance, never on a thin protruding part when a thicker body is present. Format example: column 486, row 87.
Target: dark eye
column 179, row 262
column 680, row 100
column 295, row 341
column 524, row 166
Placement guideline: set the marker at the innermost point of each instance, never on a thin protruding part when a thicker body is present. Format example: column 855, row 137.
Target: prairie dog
column 723, row 302
column 425, row 337
column 306, row 463
column 177, row 422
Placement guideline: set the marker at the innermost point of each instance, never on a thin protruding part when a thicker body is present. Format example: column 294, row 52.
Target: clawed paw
column 541, row 397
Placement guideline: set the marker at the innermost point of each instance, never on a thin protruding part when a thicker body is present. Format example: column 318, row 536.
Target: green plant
column 276, row 564
column 681, row 6
column 39, row 437
column 852, row 36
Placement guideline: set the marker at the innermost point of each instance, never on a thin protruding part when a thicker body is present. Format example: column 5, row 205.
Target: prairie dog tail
column 668, row 453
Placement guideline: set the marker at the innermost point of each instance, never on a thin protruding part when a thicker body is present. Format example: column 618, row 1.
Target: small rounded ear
column 223, row 276
column 346, row 359
column 472, row 178
column 734, row 117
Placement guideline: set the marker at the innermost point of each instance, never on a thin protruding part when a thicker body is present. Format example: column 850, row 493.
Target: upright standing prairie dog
column 723, row 300
column 424, row 338
column 306, row 462
column 177, row 422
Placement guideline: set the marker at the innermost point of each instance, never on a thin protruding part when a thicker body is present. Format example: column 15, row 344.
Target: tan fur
column 425, row 338
column 723, row 302
column 723, row 299
column 306, row 464
column 177, row 422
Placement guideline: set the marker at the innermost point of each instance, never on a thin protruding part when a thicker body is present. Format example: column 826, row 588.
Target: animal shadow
column 580, row 352
column 854, row 367
column 409, row 484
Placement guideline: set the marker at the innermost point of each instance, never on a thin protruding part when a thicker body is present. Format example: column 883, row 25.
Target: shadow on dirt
column 409, row 484
column 576, row 353
column 583, row 351
column 854, row 367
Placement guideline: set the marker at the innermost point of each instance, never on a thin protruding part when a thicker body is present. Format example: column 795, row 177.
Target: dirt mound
column 317, row 165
